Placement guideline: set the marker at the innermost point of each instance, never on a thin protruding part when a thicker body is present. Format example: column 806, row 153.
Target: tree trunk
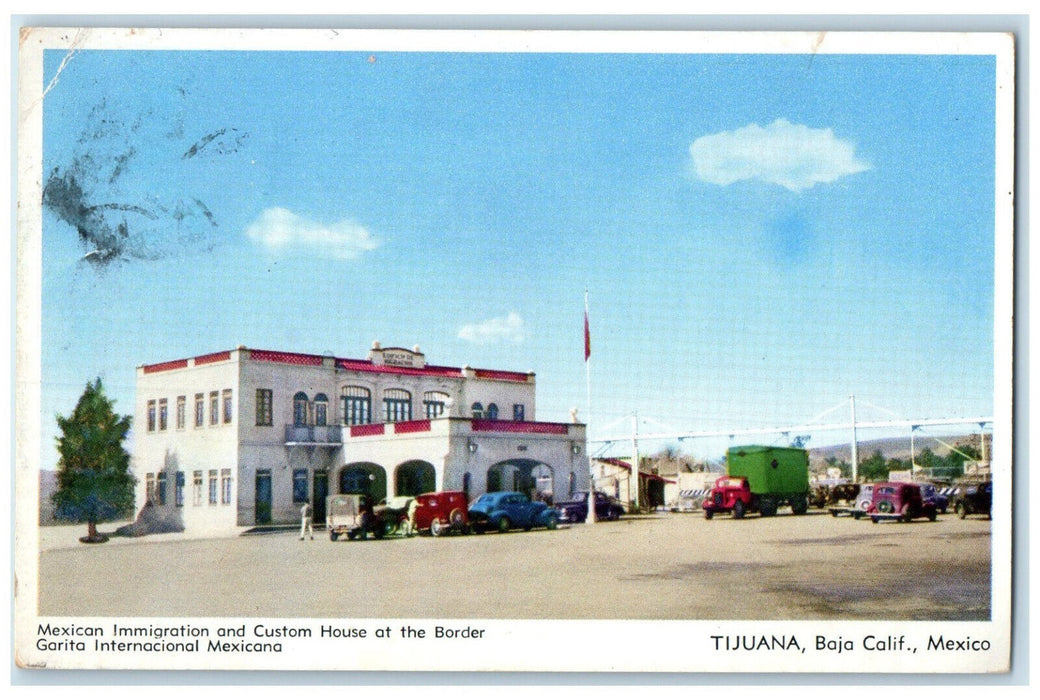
column 91, row 530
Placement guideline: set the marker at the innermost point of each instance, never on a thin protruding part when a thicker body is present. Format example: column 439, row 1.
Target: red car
column 441, row 512
column 895, row 500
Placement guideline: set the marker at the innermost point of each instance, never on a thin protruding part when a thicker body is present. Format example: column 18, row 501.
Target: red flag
column 588, row 342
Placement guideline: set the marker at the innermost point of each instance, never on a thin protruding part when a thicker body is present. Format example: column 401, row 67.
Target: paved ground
column 666, row 566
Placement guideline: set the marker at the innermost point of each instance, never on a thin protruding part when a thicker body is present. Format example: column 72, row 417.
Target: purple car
column 576, row 508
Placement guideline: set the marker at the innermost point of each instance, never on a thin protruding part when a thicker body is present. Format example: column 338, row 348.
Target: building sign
column 397, row 357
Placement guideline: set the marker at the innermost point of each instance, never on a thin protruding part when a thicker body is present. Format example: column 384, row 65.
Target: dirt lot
column 666, row 566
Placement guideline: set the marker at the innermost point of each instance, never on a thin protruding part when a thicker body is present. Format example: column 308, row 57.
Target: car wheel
column 615, row 514
column 873, row 520
column 885, row 507
column 738, row 510
column 932, row 515
column 333, row 535
column 351, row 535
column 908, row 514
column 503, row 524
column 550, row 522
column 962, row 512
column 436, row 527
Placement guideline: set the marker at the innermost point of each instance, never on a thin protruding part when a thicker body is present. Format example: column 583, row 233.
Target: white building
column 244, row 437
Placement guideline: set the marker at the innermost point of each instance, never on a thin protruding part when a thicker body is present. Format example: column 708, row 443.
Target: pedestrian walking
column 306, row 521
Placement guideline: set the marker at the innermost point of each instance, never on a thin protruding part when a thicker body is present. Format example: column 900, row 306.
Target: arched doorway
column 530, row 477
column 363, row 478
column 414, row 477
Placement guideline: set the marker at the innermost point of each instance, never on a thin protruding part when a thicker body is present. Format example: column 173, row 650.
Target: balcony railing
column 314, row 434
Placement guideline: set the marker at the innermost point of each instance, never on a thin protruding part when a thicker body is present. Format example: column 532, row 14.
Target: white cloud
column 277, row 228
column 790, row 155
column 508, row 328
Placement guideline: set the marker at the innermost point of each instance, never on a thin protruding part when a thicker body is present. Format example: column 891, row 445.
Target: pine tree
column 94, row 479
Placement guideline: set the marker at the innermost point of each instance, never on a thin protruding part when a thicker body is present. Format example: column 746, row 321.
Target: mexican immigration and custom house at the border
column 245, row 437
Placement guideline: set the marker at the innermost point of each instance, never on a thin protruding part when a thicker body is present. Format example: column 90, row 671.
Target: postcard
column 422, row 350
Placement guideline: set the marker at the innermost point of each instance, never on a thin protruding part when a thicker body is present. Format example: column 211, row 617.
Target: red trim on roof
column 213, row 357
column 501, row 375
column 510, row 426
column 427, row 371
column 412, row 426
column 288, row 358
column 164, row 366
column 367, row 429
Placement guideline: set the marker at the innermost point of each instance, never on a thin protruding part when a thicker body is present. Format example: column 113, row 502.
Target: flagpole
column 590, row 516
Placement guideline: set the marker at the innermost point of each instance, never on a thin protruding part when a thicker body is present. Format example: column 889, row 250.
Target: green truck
column 761, row 479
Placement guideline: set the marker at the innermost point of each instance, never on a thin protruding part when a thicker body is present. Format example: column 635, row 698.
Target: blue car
column 502, row 510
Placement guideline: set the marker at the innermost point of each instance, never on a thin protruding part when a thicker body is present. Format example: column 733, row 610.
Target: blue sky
column 761, row 236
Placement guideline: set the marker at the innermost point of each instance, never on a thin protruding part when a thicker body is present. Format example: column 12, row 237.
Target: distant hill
column 898, row 448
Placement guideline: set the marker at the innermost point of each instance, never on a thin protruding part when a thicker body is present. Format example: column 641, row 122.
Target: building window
column 321, row 409
column 200, row 410
column 299, row 409
column 214, row 407
column 149, row 488
column 178, row 492
column 572, row 483
column 225, row 486
column 181, row 411
column 467, row 481
column 397, row 405
column 478, row 410
column 196, row 488
column 212, row 487
column 151, row 416
column 264, row 407
column 299, row 486
column 228, row 405
column 434, row 403
column 163, row 414
column 492, row 411
column 160, row 489
column 518, row 411
column 357, row 405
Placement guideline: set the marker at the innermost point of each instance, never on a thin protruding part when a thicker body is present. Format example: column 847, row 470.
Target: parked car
column 350, row 515
column 576, row 508
column 896, row 500
column 502, row 510
column 930, row 493
column 974, row 499
column 394, row 514
column 441, row 512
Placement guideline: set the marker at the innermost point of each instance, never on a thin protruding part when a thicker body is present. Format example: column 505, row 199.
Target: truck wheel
column 738, row 510
column 333, row 535
column 962, row 512
column 708, row 514
column 799, row 505
column 436, row 528
column 873, row 520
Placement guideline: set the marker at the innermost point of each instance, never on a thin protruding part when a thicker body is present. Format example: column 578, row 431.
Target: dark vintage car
column 897, row 500
column 974, row 499
column 930, row 493
column 576, row 508
column 441, row 512
column 502, row 510
column 353, row 515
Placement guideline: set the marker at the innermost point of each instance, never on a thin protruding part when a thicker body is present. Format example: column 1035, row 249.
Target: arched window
column 434, row 403
column 478, row 410
column 299, row 403
column 356, row 405
column 492, row 411
column 397, row 405
column 321, row 409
